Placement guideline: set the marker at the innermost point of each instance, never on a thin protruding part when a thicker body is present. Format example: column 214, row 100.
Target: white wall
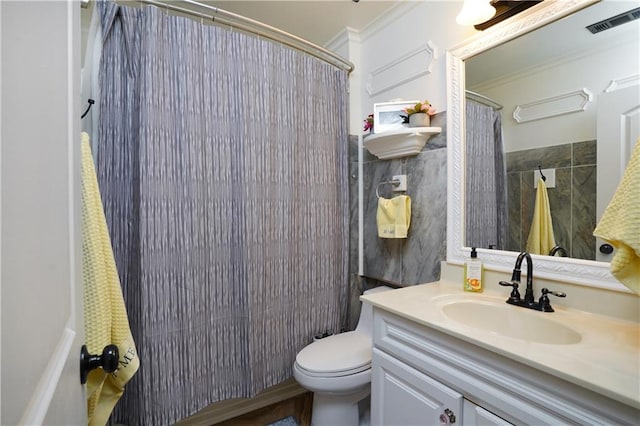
column 594, row 72
column 412, row 24
column 347, row 45
column 404, row 29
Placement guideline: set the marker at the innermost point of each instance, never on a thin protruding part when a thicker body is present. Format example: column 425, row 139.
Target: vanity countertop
column 606, row 360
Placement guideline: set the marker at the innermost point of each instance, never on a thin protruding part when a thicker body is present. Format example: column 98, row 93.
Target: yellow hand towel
column 620, row 225
column 105, row 315
column 394, row 217
column 541, row 239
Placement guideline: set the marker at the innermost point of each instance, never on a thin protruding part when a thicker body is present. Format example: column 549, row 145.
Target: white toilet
column 337, row 369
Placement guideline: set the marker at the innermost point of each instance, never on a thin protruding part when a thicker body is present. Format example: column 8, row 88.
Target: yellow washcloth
column 394, row 217
column 105, row 315
column 620, row 225
column 541, row 239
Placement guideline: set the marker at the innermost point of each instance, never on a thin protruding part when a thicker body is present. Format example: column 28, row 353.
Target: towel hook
column 91, row 102
column 544, row 178
column 394, row 182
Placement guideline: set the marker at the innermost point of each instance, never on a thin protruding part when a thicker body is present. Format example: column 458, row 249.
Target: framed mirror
column 579, row 271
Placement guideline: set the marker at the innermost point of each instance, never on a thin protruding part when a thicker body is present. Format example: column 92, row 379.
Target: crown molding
column 345, row 36
column 387, row 18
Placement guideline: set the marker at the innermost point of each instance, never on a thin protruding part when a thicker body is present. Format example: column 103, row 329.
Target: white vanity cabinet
column 405, row 396
column 473, row 414
column 421, row 375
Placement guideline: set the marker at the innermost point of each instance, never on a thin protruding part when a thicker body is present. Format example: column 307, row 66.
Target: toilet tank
column 365, row 322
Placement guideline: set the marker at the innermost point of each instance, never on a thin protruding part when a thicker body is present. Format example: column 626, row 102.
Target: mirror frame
column 584, row 272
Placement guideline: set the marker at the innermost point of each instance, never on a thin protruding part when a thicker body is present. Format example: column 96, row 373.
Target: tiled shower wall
column 409, row 261
column 572, row 201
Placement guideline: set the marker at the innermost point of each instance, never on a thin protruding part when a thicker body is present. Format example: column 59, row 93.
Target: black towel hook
column 544, row 178
column 91, row 102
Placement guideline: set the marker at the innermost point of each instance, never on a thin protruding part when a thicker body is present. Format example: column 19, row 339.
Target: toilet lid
column 337, row 355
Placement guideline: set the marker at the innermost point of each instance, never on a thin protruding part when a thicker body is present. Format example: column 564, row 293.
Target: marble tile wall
column 400, row 262
column 572, row 201
column 409, row 261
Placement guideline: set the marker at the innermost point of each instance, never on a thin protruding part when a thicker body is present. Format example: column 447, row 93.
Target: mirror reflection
column 543, row 105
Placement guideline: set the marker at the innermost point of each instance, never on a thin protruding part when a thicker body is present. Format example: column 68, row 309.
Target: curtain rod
column 483, row 100
column 258, row 28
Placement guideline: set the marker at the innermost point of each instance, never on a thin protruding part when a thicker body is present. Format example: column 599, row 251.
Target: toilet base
column 330, row 409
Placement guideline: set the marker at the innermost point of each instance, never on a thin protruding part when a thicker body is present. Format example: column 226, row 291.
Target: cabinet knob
column 447, row 418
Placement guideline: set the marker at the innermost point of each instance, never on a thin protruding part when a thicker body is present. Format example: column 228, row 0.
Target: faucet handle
column 515, row 294
column 544, row 304
column 555, row 293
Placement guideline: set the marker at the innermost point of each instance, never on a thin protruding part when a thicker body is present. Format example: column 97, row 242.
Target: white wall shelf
column 399, row 143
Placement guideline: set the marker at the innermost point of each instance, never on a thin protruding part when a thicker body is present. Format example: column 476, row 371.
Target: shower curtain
column 486, row 187
column 224, row 178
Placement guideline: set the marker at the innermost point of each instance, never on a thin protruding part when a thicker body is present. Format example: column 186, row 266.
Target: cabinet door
column 402, row 395
column 475, row 415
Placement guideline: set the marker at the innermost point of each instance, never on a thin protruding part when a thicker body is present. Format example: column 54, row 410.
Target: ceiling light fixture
column 475, row 11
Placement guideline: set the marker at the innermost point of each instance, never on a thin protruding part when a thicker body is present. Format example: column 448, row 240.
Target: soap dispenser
column 473, row 273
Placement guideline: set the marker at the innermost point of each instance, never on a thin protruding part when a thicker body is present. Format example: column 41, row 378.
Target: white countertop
column 606, row 360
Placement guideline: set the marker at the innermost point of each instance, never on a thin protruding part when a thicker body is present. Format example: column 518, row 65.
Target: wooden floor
column 283, row 400
column 298, row 407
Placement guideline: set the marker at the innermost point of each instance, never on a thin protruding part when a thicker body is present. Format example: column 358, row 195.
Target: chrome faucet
column 528, row 301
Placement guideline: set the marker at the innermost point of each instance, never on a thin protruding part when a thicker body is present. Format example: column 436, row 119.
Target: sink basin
column 510, row 321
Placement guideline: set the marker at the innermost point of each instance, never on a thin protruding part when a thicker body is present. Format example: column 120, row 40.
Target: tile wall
column 409, row 261
column 572, row 201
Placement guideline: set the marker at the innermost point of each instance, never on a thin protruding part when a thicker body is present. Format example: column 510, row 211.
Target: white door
column 40, row 262
column 618, row 132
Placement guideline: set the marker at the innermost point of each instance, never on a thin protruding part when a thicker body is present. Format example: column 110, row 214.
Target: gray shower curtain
column 224, row 178
column 486, row 213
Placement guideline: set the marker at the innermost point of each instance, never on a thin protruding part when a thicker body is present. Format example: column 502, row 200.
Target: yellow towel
column 541, row 239
column 105, row 315
column 394, row 217
column 620, row 225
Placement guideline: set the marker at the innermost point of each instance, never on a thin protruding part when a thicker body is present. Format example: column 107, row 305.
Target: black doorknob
column 108, row 361
column 606, row 248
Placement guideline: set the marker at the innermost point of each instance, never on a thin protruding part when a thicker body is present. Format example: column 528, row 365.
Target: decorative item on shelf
column 419, row 119
column 368, row 124
column 419, row 115
column 388, row 115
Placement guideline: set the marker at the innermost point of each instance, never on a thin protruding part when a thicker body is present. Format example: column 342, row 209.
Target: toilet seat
column 336, row 356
